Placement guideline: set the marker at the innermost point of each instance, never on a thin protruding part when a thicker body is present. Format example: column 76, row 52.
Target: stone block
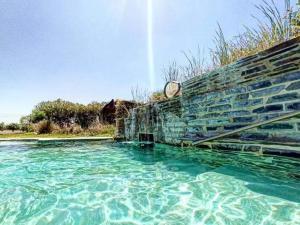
column 190, row 117
column 219, row 121
column 234, row 126
column 247, row 119
column 277, row 126
column 293, row 106
column 248, row 103
column 281, row 152
column 284, row 97
column 293, row 86
column 197, row 122
column 219, row 108
column 228, row 146
column 194, row 129
column 268, row 108
column 242, row 96
column 254, row 70
column 253, row 136
column 236, row 90
column 287, row 77
column 259, row 85
column 211, row 128
column 236, row 113
column 286, row 61
column 214, row 95
column 211, row 115
column 252, row 148
column 224, row 100
column 263, row 117
column 268, row 91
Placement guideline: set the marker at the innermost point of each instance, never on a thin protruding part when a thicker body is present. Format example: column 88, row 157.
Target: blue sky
column 96, row 50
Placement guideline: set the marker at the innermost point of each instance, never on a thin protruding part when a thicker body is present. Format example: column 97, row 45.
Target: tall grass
column 195, row 65
column 140, row 95
column 171, row 72
column 273, row 27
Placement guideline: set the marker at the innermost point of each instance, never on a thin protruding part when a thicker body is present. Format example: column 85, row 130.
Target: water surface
column 93, row 183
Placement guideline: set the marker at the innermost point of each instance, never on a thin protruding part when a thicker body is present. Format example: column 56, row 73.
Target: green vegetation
column 273, row 27
column 2, row 126
column 12, row 126
column 61, row 118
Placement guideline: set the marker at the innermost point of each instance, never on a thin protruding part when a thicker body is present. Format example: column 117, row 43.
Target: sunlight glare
column 150, row 44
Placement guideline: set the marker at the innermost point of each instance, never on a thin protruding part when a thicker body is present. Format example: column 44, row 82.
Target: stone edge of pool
column 59, row 139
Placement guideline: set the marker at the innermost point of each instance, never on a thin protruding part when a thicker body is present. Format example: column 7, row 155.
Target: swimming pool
column 94, row 183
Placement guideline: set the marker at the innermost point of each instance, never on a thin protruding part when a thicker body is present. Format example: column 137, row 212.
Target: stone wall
column 251, row 90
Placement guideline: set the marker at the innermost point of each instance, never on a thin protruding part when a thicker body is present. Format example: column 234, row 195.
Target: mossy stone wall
column 253, row 89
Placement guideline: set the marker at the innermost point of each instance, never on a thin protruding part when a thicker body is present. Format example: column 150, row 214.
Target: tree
column 13, row 127
column 65, row 113
column 2, row 126
column 25, row 124
column 89, row 114
column 37, row 116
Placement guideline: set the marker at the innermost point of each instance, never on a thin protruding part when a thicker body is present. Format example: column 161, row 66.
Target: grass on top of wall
column 272, row 27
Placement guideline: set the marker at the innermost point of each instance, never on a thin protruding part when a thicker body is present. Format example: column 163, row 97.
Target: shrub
column 13, row 127
column 37, row 116
column 2, row 126
column 45, row 127
column 157, row 96
column 71, row 129
column 95, row 128
column 107, row 130
column 76, row 129
column 25, row 124
column 86, row 115
column 65, row 113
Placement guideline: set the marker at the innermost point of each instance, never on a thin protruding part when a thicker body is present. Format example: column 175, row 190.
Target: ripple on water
column 89, row 183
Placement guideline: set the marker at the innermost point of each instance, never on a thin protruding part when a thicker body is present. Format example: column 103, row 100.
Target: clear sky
column 96, row 50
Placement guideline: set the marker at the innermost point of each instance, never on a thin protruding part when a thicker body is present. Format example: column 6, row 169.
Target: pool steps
column 282, row 117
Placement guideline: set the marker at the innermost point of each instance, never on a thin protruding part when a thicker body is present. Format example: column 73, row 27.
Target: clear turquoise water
column 92, row 183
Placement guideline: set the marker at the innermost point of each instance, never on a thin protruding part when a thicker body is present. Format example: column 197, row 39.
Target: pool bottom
column 89, row 183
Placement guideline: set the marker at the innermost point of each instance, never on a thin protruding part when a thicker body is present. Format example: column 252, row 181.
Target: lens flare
column 150, row 44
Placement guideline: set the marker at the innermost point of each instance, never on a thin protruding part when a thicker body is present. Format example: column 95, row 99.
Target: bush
column 25, row 124
column 108, row 130
column 2, row 126
column 87, row 115
column 45, row 127
column 13, row 127
column 37, row 116
column 157, row 96
column 71, row 129
column 65, row 113
column 95, row 128
column 75, row 129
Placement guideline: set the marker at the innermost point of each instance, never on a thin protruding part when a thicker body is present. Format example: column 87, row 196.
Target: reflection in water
column 90, row 183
